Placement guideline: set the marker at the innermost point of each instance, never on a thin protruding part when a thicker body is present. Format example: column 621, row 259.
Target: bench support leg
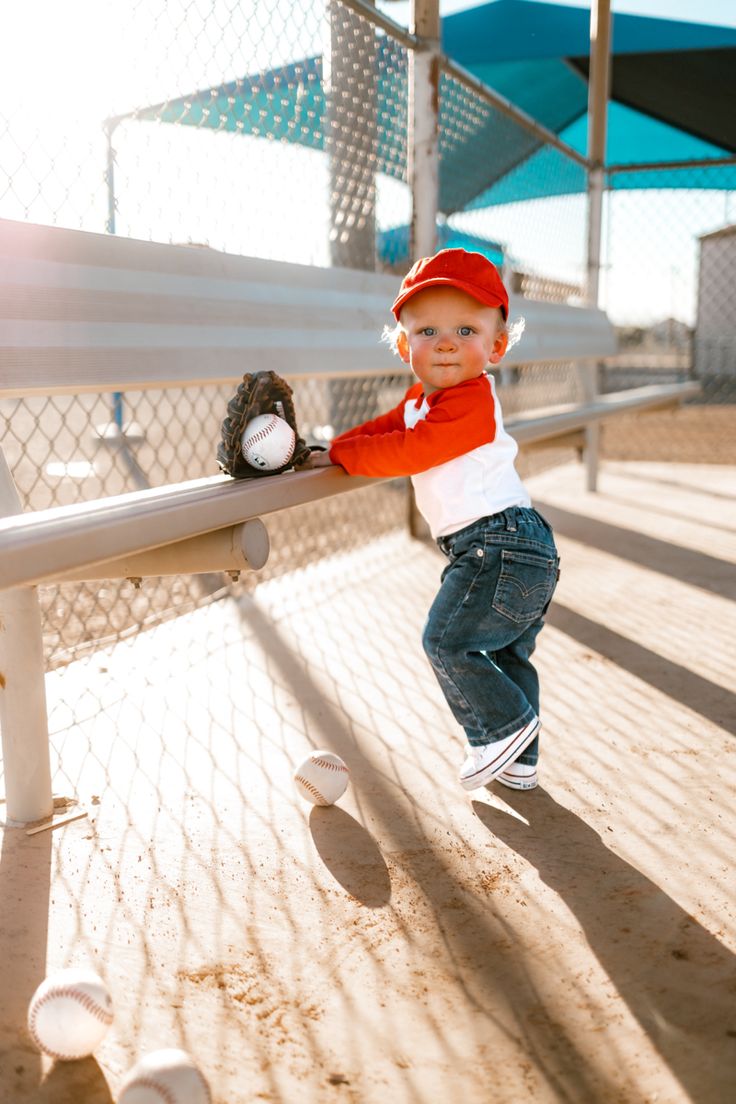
column 23, row 723
column 588, row 382
column 592, row 452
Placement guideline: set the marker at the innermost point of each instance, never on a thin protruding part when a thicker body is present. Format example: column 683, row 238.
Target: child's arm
column 384, row 423
column 459, row 420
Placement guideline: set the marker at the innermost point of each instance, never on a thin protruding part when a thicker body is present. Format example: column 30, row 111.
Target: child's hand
column 315, row 460
column 320, row 460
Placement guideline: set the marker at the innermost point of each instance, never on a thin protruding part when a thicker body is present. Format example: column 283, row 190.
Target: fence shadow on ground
column 677, row 978
column 407, row 944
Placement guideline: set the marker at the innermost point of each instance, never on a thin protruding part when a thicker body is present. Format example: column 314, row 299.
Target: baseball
column 69, row 1014
column 268, row 442
column 322, row 778
column 165, row 1075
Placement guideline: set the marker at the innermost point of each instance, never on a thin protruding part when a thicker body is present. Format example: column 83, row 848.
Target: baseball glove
column 259, row 393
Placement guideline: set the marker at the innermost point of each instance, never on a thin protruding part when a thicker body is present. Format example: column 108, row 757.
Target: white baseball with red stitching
column 322, row 778
column 70, row 1013
column 165, row 1077
column 268, row 442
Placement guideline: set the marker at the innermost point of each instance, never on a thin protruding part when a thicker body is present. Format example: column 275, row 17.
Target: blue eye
column 428, row 331
column 466, row 331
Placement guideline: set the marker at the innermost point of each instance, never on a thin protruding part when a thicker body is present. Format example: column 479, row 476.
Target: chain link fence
column 278, row 130
column 183, row 122
column 526, row 208
column 60, row 452
column 668, row 286
column 268, row 129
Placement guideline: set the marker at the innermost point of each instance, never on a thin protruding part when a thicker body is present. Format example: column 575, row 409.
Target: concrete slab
column 414, row 943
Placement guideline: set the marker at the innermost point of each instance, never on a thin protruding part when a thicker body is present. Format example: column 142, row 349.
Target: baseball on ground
column 165, row 1075
column 268, row 442
column 322, row 778
column 69, row 1014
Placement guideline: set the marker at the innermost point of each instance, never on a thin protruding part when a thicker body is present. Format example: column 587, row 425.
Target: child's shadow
column 677, row 979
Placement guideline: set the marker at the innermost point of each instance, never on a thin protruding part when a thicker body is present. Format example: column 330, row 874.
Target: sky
column 720, row 12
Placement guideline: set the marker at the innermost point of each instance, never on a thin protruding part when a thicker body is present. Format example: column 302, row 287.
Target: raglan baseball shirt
column 453, row 445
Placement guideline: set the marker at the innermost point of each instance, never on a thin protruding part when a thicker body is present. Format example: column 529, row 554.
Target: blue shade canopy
column 393, row 245
column 673, row 99
column 528, row 30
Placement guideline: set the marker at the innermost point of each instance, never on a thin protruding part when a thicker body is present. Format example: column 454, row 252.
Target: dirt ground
column 413, row 944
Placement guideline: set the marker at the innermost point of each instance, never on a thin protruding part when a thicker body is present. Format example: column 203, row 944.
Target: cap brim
column 486, row 298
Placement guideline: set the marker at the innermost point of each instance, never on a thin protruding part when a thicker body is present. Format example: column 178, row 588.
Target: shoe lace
column 475, row 752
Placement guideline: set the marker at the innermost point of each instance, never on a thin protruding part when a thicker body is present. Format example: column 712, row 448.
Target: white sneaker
column 519, row 776
column 487, row 761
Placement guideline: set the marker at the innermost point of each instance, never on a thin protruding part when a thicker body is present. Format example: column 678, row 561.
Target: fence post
column 423, row 137
column 23, row 721
column 598, row 88
column 351, row 136
column 423, row 156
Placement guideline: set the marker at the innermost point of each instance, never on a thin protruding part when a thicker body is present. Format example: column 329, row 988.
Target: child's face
column 448, row 337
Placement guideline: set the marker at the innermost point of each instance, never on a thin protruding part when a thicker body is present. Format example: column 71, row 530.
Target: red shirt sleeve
column 459, row 420
column 384, row 423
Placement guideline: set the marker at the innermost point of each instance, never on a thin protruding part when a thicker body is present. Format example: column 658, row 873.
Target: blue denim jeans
column 484, row 622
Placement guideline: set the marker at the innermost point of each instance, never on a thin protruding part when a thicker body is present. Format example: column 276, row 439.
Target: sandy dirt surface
column 414, row 944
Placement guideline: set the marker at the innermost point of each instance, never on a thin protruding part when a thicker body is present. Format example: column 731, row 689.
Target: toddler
column 447, row 434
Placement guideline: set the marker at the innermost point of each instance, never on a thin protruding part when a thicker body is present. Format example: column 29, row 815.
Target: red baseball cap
column 470, row 272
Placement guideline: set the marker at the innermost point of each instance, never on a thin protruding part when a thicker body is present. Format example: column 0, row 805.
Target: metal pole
column 423, row 157
column 423, row 137
column 110, row 125
column 349, row 74
column 598, row 91
column 351, row 136
column 25, row 734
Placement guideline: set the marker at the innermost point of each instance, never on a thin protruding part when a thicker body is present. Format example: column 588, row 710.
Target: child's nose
column 446, row 340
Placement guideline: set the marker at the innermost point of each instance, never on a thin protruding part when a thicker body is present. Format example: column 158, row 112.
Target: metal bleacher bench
column 82, row 312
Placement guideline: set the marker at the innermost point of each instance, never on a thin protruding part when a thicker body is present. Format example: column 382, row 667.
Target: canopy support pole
column 423, row 158
column 598, row 92
column 423, row 136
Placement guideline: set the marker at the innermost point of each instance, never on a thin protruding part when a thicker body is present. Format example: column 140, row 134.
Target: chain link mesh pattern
column 183, row 122
column 668, row 285
column 538, row 241
column 539, row 237
column 60, row 452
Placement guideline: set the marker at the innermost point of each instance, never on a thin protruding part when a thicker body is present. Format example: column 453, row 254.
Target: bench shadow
column 661, row 511
column 351, row 855
column 684, row 564
column 704, row 697
column 678, row 484
column 25, row 882
column 676, row 978
column 70, row 1083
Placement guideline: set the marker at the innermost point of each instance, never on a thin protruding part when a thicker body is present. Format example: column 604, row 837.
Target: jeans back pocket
column 525, row 584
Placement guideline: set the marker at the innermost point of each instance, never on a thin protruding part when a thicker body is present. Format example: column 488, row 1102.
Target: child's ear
column 499, row 348
column 402, row 346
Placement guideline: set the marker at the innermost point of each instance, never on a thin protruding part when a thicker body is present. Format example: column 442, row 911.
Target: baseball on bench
column 268, row 442
column 70, row 1013
column 322, row 778
column 165, row 1075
